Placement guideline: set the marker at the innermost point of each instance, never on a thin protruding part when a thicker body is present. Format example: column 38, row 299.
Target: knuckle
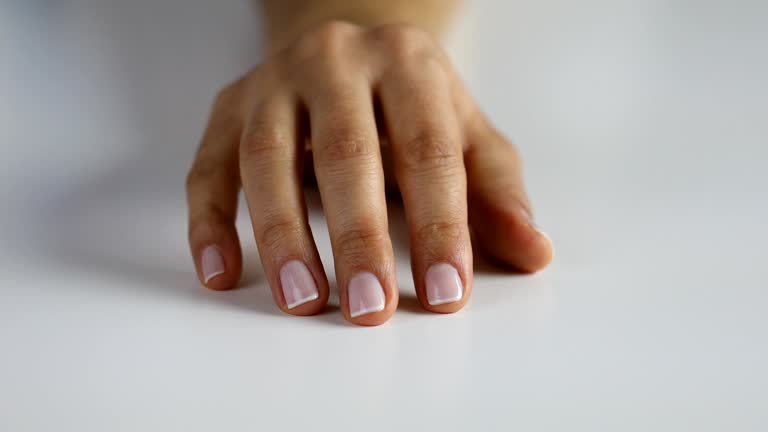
column 404, row 40
column 345, row 147
column 203, row 222
column 425, row 66
column 431, row 150
column 449, row 231
column 333, row 30
column 325, row 41
column 275, row 233
column 198, row 228
column 258, row 146
column 359, row 244
column 201, row 172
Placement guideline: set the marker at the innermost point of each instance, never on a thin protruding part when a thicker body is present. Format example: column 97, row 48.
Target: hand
column 451, row 166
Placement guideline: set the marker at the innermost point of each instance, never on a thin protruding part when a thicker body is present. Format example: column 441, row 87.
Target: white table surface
column 644, row 129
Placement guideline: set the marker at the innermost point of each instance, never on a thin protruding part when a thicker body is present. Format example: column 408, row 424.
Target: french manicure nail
column 213, row 262
column 298, row 284
column 365, row 295
column 443, row 284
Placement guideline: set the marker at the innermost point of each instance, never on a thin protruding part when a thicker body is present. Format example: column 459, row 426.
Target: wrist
column 287, row 21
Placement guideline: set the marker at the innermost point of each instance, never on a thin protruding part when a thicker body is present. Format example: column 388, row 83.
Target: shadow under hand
column 398, row 232
column 134, row 237
column 485, row 264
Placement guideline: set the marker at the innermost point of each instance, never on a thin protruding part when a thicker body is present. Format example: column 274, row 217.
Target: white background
column 643, row 127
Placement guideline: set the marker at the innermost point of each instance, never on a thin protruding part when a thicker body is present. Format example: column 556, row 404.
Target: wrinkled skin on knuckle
column 275, row 232
column 202, row 170
column 344, row 147
column 206, row 223
column 211, row 164
column 431, row 151
column 259, row 146
column 358, row 246
column 343, row 143
column 438, row 235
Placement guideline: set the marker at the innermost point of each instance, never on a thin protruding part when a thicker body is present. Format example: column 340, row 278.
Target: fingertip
column 540, row 247
column 302, row 289
column 367, row 302
column 221, row 282
column 310, row 308
column 374, row 318
column 216, row 252
column 445, row 291
column 511, row 238
column 448, row 307
column 218, row 269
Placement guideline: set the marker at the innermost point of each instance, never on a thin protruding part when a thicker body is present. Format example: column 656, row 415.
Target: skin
column 321, row 85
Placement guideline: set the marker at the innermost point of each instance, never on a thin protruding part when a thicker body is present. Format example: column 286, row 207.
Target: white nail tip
column 542, row 233
column 377, row 308
column 365, row 295
column 440, row 301
column 300, row 302
column 213, row 275
column 443, row 284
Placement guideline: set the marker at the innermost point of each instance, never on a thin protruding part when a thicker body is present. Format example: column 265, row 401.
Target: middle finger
column 347, row 163
column 429, row 166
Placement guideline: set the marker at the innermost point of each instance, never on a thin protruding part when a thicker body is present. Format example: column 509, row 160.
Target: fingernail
column 443, row 284
column 213, row 262
column 298, row 284
column 365, row 295
column 534, row 225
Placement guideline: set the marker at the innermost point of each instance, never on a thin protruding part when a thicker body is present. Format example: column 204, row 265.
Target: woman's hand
column 342, row 87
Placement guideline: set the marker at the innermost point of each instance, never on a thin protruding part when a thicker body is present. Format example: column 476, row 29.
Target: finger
column 427, row 148
column 212, row 189
column 270, row 166
column 351, row 182
column 500, row 212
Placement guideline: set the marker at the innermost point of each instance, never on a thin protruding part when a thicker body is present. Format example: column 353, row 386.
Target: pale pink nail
column 365, row 295
column 443, row 284
column 213, row 262
column 298, row 284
